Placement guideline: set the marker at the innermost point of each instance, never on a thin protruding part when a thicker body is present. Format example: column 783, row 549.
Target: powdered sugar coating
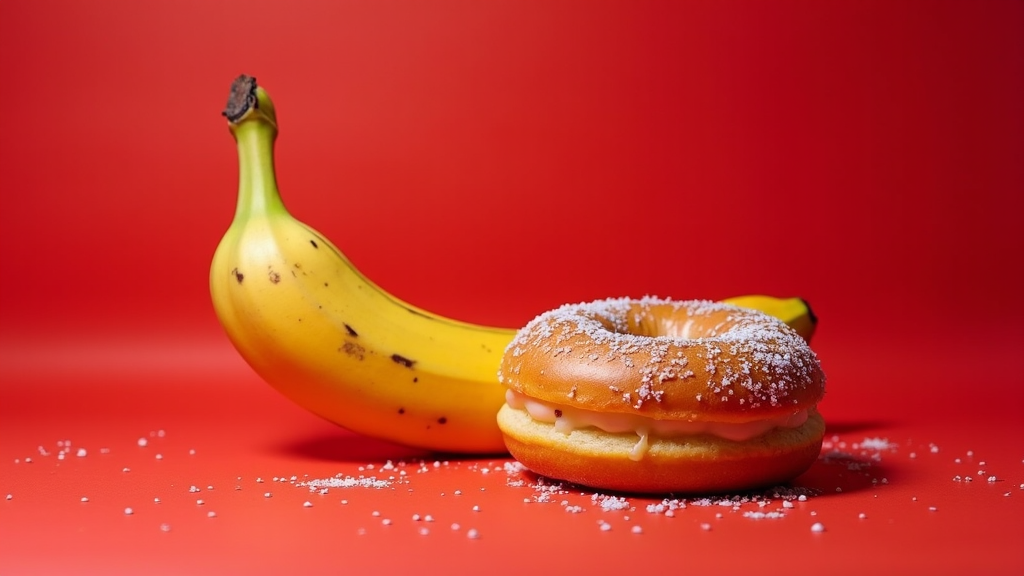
column 664, row 358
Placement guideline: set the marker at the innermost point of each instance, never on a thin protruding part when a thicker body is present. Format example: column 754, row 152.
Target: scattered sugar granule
column 801, row 498
column 307, row 504
column 862, row 516
column 932, row 508
column 347, row 482
column 375, row 513
column 156, row 500
column 609, row 503
column 787, row 504
column 416, row 518
column 344, row 501
column 991, row 478
column 193, row 489
column 165, row 527
column 876, row 444
column 705, row 526
column 267, row 494
column 817, row 527
column 760, row 515
column 455, row 526
column 636, row 530
column 10, row 496
column 605, row 527
column 428, row 518
column 386, row 521
column 473, row 534
column 424, row 531
column 81, row 453
column 192, row 452
column 85, row 498
column 476, row 508
column 211, row 514
column 159, row 456
column 143, row 442
column 128, row 511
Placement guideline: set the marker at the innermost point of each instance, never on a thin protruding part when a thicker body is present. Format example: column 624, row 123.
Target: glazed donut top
column 666, row 360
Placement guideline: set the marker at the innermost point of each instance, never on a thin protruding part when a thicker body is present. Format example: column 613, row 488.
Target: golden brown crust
column 663, row 359
column 691, row 464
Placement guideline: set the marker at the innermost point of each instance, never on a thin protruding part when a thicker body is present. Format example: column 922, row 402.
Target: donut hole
column 657, row 322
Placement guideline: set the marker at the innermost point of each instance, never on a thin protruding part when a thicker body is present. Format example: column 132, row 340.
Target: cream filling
column 569, row 418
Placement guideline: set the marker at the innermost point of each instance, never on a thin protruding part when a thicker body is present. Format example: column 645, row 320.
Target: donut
column 654, row 395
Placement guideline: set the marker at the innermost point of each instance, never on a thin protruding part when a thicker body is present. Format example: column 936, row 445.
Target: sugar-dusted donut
column 653, row 395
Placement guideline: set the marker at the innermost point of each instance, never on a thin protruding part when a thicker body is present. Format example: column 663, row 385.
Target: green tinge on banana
column 312, row 326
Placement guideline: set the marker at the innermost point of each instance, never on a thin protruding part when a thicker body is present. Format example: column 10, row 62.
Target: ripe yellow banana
column 312, row 326
column 793, row 311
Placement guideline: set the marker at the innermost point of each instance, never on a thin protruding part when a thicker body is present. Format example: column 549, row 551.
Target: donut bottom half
column 699, row 464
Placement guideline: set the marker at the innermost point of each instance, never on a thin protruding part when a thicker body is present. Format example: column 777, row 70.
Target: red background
column 491, row 160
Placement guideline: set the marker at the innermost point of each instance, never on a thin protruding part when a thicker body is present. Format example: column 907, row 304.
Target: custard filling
column 569, row 418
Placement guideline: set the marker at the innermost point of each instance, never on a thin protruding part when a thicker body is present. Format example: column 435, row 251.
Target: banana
column 793, row 311
column 328, row 338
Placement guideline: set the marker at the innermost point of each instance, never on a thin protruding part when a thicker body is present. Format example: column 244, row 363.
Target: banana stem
column 257, row 184
column 253, row 122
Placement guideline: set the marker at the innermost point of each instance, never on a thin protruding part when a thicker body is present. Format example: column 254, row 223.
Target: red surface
column 490, row 161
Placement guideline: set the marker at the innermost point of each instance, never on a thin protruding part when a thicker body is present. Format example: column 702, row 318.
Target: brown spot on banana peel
column 274, row 276
column 313, row 242
column 403, row 360
column 238, row 275
column 351, row 331
column 354, row 350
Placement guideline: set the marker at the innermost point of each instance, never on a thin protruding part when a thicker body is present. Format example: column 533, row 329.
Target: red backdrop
column 490, row 160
